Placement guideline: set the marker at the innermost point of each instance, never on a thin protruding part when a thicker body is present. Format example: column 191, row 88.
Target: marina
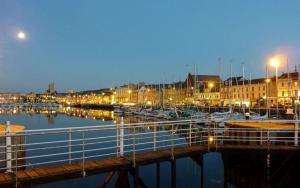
column 72, row 153
column 144, row 94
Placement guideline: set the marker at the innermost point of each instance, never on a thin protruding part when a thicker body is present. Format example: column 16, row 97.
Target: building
column 203, row 90
column 11, row 97
column 239, row 91
column 51, row 89
column 287, row 88
column 127, row 94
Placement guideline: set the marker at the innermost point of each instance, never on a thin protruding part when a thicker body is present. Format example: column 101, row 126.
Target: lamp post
column 210, row 86
column 129, row 92
column 267, row 94
column 275, row 63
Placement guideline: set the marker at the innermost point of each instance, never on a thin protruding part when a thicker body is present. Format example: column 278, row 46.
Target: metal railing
column 51, row 147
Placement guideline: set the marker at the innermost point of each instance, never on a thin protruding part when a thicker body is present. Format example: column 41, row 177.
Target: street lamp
column 210, row 86
column 274, row 62
column 129, row 92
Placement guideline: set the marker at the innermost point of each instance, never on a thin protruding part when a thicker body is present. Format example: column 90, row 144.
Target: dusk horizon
column 106, row 44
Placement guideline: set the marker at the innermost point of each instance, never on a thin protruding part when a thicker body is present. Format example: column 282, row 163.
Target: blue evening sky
column 103, row 43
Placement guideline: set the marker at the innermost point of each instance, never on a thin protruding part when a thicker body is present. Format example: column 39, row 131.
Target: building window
column 252, row 88
column 282, row 94
column 264, row 88
column 282, row 84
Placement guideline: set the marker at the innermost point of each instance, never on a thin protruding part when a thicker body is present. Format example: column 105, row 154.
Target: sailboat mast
column 289, row 81
column 230, row 85
column 267, row 92
column 250, row 80
column 243, row 88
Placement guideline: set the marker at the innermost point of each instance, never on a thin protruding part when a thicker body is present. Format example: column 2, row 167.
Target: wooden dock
column 260, row 124
column 43, row 175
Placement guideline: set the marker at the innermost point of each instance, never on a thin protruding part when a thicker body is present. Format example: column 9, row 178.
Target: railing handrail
column 100, row 126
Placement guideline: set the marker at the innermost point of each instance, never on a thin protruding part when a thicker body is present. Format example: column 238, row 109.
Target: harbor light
column 129, row 91
column 211, row 139
column 268, row 80
column 211, row 85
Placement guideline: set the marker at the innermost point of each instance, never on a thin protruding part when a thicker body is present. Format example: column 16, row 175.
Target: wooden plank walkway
column 260, row 124
column 49, row 174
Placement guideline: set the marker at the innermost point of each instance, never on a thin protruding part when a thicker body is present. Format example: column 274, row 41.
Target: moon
column 21, row 35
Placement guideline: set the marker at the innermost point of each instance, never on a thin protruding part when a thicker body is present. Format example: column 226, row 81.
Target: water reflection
column 51, row 114
column 261, row 169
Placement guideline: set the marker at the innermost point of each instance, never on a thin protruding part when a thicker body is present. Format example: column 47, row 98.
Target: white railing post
column 296, row 131
column 122, row 137
column 8, row 148
column 261, row 136
column 70, row 146
column 154, row 137
column 83, row 154
column 118, row 140
column 172, row 148
column 190, row 133
column 133, row 145
column 16, row 159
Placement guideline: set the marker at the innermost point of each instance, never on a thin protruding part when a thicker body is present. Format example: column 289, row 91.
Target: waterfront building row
column 200, row 90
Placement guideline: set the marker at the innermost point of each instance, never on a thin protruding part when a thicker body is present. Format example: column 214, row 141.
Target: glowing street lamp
column 210, row 85
column 274, row 62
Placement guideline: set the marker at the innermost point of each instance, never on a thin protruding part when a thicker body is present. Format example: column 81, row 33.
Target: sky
column 94, row 44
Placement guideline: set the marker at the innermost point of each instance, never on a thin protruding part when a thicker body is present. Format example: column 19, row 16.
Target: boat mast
column 267, row 92
column 289, row 81
column 250, row 80
column 220, row 75
column 243, row 70
column 195, row 83
column 159, row 93
column 230, row 86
